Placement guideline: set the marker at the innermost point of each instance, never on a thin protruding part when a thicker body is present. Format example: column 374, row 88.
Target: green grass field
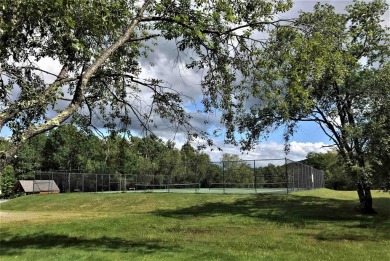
column 311, row 225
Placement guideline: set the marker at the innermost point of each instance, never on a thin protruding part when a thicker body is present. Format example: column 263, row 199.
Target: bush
column 7, row 181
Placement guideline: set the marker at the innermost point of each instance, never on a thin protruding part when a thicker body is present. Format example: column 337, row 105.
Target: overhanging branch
column 210, row 31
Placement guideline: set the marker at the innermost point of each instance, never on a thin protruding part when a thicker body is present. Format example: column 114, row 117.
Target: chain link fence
column 303, row 177
column 244, row 176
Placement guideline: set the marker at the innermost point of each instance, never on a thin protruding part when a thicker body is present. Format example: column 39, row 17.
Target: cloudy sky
column 169, row 66
column 309, row 136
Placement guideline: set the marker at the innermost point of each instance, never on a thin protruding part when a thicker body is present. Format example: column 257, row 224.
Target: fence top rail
column 80, row 173
column 251, row 160
column 61, row 172
column 99, row 174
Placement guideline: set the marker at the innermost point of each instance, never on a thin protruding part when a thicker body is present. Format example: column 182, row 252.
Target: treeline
column 68, row 148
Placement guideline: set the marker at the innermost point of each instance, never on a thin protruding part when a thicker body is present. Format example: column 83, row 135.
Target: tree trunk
column 365, row 198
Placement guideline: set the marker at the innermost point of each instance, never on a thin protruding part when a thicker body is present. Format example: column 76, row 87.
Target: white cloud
column 270, row 150
column 49, row 65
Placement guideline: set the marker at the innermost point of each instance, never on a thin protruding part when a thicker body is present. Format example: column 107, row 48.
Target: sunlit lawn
column 312, row 225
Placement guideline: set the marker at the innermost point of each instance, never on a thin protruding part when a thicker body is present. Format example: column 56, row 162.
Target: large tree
column 99, row 46
column 331, row 69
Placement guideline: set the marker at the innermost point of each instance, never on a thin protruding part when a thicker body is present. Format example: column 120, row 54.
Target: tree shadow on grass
column 344, row 222
column 12, row 245
column 290, row 209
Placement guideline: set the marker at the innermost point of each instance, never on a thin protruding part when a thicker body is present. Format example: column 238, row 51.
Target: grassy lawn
column 311, row 225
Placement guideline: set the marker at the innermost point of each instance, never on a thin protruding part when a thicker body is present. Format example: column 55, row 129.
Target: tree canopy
column 100, row 46
column 331, row 69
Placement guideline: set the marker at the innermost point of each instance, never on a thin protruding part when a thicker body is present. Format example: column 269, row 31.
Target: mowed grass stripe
column 311, row 225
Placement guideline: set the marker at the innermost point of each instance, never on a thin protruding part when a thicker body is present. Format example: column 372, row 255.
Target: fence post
column 312, row 178
column 293, row 176
column 285, row 163
column 255, row 177
column 69, row 182
column 223, row 176
column 169, row 181
column 301, row 175
column 50, row 183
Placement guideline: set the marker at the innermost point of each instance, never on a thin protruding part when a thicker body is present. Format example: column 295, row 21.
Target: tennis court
column 197, row 189
column 243, row 177
column 217, row 191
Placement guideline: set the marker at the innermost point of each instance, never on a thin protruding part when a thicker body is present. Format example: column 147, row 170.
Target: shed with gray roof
column 36, row 186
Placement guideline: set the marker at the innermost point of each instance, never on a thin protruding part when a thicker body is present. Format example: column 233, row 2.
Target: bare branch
column 335, row 135
column 320, row 123
column 34, row 68
column 209, row 31
column 134, row 110
column 143, row 38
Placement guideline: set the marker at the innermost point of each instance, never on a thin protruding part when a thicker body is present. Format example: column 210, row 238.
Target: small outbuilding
column 36, row 186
